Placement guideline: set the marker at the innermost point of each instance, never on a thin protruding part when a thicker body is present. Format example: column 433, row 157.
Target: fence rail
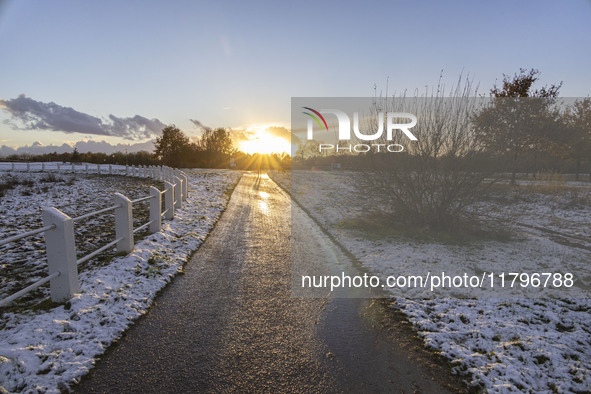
column 156, row 172
column 58, row 228
column 25, row 235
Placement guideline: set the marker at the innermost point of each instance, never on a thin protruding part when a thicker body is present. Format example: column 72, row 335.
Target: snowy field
column 21, row 202
column 47, row 348
column 500, row 344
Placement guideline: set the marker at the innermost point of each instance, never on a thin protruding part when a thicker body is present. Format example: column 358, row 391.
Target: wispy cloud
column 29, row 114
column 239, row 135
column 199, row 125
column 282, row 132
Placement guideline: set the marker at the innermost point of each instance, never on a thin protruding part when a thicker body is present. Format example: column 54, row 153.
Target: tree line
column 175, row 149
column 214, row 149
column 520, row 130
column 135, row 158
column 465, row 145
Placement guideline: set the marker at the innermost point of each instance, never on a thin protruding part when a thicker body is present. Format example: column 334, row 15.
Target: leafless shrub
column 436, row 181
column 50, row 178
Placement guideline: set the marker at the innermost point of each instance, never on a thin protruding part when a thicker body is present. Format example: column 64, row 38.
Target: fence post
column 28, row 167
column 155, row 210
column 12, row 167
column 86, row 168
column 98, row 169
column 73, row 169
column 126, row 170
column 185, row 186
column 110, row 169
column 61, row 254
column 42, row 167
column 168, row 200
column 178, row 193
column 123, row 223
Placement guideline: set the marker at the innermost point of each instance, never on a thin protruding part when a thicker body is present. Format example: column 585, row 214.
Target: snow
column 502, row 342
column 498, row 344
column 48, row 350
column 24, row 262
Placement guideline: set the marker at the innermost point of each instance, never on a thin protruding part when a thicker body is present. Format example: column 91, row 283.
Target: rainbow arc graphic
column 316, row 118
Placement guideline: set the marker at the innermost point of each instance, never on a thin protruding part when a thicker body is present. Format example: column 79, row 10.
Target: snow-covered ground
column 47, row 349
column 500, row 344
column 24, row 262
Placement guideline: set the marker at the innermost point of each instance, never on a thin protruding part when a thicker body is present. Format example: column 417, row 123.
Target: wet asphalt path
column 231, row 324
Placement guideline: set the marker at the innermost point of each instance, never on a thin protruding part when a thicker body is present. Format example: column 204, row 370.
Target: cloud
column 199, row 125
column 282, row 132
column 136, row 128
column 29, row 114
column 239, row 135
column 105, row 147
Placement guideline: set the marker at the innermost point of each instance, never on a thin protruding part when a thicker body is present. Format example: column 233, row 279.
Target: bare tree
column 436, row 180
column 578, row 122
column 217, row 146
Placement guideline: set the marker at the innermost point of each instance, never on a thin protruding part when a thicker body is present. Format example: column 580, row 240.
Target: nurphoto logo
column 344, row 130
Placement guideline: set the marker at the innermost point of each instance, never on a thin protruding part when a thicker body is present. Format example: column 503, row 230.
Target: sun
column 263, row 142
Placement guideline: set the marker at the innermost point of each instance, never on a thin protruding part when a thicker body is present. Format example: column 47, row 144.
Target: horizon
column 68, row 79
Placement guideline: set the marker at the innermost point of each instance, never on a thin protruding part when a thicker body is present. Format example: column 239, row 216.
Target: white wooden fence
column 58, row 227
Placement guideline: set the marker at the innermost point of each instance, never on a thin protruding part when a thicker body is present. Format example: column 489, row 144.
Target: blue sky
column 237, row 64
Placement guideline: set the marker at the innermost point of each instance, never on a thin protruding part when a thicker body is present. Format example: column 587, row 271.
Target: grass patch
column 541, row 359
column 50, row 178
column 379, row 226
column 44, row 305
column 9, row 182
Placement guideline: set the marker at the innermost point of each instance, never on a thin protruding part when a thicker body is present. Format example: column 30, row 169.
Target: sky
column 103, row 73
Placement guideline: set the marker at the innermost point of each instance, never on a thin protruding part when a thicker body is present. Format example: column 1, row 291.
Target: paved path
column 230, row 322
